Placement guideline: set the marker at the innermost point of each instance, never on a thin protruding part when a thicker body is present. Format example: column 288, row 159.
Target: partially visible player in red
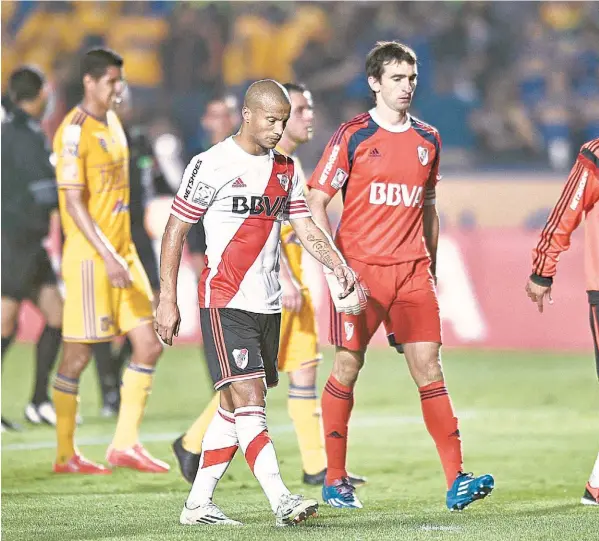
column 580, row 197
column 386, row 164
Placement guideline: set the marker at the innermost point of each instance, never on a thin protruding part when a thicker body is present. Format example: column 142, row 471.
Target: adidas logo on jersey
column 238, row 183
column 374, row 153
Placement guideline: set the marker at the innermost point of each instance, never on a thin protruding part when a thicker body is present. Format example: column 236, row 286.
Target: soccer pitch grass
column 530, row 419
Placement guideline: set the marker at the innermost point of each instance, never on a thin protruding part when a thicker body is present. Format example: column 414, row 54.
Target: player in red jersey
column 580, row 197
column 386, row 164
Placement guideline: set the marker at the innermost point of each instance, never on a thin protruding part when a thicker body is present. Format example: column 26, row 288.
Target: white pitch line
column 358, row 422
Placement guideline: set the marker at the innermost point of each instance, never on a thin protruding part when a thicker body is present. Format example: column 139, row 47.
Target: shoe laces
column 289, row 501
column 214, row 510
column 345, row 489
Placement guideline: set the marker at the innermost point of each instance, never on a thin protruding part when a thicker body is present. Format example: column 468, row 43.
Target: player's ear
column 87, row 79
column 374, row 84
column 246, row 114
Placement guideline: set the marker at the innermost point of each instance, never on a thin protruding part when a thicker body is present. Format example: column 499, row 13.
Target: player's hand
column 118, row 271
column 167, row 321
column 292, row 296
column 348, row 293
column 345, row 278
column 537, row 294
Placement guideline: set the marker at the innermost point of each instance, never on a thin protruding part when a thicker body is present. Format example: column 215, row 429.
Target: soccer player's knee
column 347, row 367
column 51, row 305
column 426, row 367
column 10, row 312
column 152, row 350
column 251, row 392
column 54, row 319
column 304, row 377
column 75, row 359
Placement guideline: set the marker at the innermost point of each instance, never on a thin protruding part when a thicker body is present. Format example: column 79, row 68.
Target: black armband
column 545, row 281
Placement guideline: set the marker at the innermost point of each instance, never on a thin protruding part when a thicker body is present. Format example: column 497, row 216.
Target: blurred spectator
column 504, row 131
column 179, row 55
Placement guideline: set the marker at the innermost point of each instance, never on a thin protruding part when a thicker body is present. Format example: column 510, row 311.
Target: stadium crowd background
column 513, row 88
column 506, row 83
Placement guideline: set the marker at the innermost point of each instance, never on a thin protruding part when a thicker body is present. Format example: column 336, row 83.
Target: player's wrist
column 544, row 281
column 167, row 298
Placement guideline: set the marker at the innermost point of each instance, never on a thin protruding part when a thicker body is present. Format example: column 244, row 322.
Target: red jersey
column 386, row 175
column 579, row 197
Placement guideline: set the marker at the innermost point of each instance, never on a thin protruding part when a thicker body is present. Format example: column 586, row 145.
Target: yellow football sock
column 135, row 389
column 303, row 409
column 192, row 440
column 65, row 400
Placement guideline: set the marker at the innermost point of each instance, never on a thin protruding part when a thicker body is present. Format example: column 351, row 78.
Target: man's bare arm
column 317, row 242
column 116, row 267
column 431, row 233
column 83, row 220
column 317, row 202
column 170, row 257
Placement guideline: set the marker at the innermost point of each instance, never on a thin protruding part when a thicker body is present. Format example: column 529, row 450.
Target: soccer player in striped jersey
column 299, row 352
column 243, row 190
column 386, row 165
column 579, row 198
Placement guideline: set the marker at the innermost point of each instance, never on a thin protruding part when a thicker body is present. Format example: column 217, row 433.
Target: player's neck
column 287, row 145
column 389, row 116
column 249, row 146
column 94, row 109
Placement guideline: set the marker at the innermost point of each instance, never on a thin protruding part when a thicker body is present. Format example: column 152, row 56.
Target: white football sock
column 218, row 449
column 594, row 479
column 260, row 452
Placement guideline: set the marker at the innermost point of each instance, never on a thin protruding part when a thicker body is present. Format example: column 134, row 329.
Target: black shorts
column 196, row 239
column 240, row 345
column 25, row 269
column 147, row 256
column 594, row 319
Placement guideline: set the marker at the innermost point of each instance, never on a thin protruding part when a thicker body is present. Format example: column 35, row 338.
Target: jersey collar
column 386, row 126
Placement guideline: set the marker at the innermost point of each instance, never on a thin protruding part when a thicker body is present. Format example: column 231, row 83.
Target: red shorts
column 402, row 296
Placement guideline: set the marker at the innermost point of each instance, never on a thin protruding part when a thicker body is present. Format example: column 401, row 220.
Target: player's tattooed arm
column 317, row 242
column 168, row 318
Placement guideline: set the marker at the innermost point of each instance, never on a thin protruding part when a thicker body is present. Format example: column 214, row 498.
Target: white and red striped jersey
column 242, row 199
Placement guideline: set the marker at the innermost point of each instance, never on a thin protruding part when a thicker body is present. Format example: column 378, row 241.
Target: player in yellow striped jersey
column 107, row 290
column 299, row 352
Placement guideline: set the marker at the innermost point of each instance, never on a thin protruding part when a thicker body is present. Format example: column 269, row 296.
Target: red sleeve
column 333, row 168
column 578, row 196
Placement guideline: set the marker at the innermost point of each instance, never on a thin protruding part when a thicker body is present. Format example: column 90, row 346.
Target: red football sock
column 442, row 425
column 337, row 403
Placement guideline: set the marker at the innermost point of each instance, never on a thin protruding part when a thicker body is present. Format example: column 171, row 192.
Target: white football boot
column 208, row 514
column 294, row 509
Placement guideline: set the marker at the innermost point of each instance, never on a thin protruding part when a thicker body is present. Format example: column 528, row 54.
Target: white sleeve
column 196, row 192
column 296, row 206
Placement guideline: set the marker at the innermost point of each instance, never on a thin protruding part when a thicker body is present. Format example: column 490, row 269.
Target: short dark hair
column 385, row 52
column 295, row 87
column 96, row 61
column 25, row 83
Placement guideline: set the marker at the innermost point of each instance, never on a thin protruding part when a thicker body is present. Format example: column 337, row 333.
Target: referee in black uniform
column 28, row 197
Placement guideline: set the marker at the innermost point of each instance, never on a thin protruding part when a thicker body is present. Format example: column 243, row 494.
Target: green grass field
column 530, row 419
